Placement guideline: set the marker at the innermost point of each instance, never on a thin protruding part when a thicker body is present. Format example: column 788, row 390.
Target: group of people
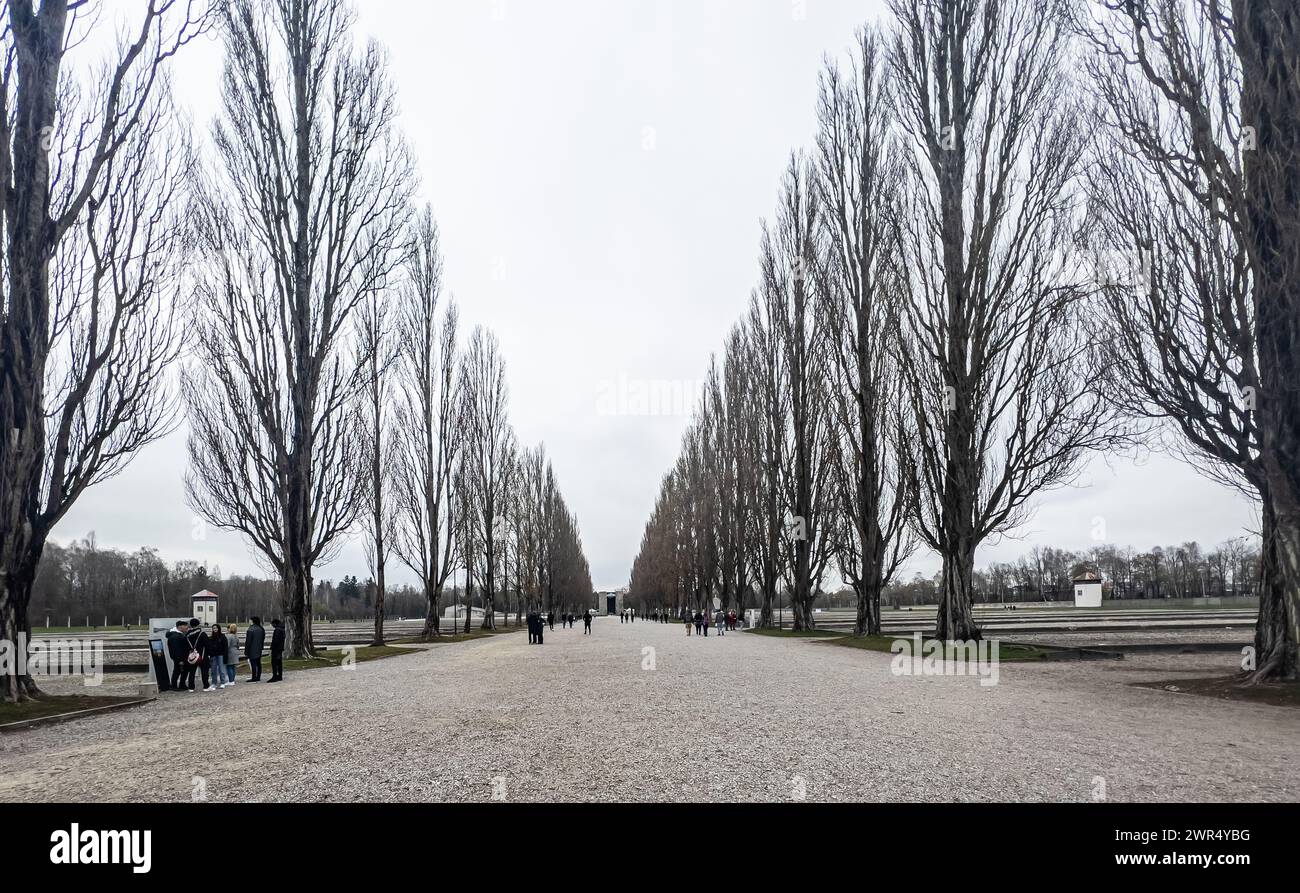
column 722, row 621
column 538, row 622
column 214, row 653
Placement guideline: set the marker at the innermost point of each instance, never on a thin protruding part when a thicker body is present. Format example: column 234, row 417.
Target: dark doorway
column 611, row 604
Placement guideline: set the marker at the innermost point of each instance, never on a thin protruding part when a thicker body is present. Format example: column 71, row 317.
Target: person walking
column 232, row 652
column 720, row 621
column 550, row 620
column 704, row 620
column 216, row 658
column 178, row 649
column 254, row 640
column 699, row 622
column 688, row 625
column 277, row 651
column 586, row 623
column 197, row 659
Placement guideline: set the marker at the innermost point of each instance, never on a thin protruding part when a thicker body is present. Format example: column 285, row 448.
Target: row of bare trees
column 1027, row 230
column 269, row 262
column 329, row 388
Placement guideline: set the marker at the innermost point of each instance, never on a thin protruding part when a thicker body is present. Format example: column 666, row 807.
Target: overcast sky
column 599, row 169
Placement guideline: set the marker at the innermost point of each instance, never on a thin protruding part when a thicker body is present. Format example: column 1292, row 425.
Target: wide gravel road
column 640, row 712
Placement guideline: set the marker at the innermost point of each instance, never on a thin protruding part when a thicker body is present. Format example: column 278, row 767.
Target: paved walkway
column 733, row 719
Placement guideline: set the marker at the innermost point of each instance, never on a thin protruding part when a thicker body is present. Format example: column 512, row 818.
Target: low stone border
column 22, row 724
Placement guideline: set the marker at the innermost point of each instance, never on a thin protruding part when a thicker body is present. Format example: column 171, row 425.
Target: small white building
column 1087, row 590
column 204, row 607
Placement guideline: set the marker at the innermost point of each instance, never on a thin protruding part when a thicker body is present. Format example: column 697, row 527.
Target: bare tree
column 302, row 219
column 375, row 437
column 739, row 446
column 793, row 273
column 1198, row 213
column 992, row 348
column 489, row 448
column 92, row 245
column 858, row 182
column 428, row 421
column 766, row 379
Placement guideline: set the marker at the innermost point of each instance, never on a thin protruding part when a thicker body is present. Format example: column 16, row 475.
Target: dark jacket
column 277, row 641
column 177, row 646
column 216, row 645
column 254, row 639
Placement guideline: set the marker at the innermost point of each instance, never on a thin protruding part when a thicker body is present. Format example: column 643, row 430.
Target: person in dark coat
column 178, row 648
column 254, row 641
column 197, row 641
column 277, row 651
column 550, row 620
column 586, row 623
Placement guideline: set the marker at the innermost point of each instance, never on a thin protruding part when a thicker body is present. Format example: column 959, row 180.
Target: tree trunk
column 432, row 596
column 13, row 624
column 956, row 621
column 379, row 606
column 868, row 594
column 295, row 601
column 1278, row 628
column 469, row 605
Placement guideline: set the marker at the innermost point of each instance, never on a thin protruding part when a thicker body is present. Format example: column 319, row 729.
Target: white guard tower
column 204, row 606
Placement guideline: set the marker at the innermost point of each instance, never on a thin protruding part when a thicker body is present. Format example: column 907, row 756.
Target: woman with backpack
column 197, row 658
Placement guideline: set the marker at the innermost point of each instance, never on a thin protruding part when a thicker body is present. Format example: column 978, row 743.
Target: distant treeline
column 1046, row 574
column 83, row 580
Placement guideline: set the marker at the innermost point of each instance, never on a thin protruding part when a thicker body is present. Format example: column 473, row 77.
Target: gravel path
column 738, row 718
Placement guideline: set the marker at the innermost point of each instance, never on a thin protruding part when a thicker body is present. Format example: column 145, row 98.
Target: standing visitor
column 704, row 620
column 232, row 652
column 178, row 648
column 217, row 657
column 197, row 659
column 277, row 651
column 720, row 621
column 254, row 639
column 586, row 623
column 688, row 625
column 699, row 622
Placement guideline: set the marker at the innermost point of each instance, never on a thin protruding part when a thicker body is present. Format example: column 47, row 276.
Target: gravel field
column 738, row 718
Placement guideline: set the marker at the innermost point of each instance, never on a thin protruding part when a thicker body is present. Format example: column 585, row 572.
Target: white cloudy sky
column 599, row 169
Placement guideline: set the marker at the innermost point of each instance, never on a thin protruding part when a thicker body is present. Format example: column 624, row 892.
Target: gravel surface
column 737, row 718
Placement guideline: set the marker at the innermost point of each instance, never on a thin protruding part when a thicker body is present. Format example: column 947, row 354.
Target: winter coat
column 177, row 645
column 254, row 639
column 216, row 645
